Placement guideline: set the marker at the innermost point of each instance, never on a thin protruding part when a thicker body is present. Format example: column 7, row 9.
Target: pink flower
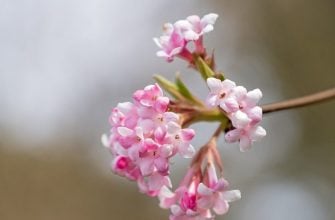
column 214, row 194
column 196, row 197
column 176, row 36
column 144, row 136
column 241, row 108
column 220, row 94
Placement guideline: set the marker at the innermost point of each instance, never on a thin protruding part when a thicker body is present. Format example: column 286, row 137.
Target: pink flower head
column 241, row 108
column 196, row 198
column 176, row 36
column 201, row 26
column 214, row 194
column 144, row 136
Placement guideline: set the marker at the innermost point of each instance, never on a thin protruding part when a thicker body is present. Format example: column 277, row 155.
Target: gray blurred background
column 64, row 64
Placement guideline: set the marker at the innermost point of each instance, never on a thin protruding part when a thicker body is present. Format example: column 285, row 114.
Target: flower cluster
column 198, row 196
column 241, row 108
column 176, row 36
column 144, row 136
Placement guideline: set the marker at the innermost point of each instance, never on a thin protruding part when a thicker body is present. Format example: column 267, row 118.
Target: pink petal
column 170, row 116
column 229, row 105
column 146, row 166
column 166, row 198
column 233, row 135
column 239, row 92
column 161, row 104
column 173, row 128
column 221, row 206
column 212, row 177
column 221, row 185
column 186, row 150
column 123, row 131
column 209, row 19
column 212, row 100
column 240, row 119
column 187, row 134
column 257, row 133
column 162, row 165
column 255, row 114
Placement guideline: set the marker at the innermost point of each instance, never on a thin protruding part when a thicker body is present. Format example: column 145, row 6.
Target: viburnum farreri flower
column 176, row 36
column 149, row 131
column 198, row 196
column 241, row 108
column 144, row 136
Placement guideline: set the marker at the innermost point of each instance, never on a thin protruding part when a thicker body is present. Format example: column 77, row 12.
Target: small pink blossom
column 196, row 197
column 220, row 94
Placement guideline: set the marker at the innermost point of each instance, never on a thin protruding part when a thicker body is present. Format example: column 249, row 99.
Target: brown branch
column 300, row 102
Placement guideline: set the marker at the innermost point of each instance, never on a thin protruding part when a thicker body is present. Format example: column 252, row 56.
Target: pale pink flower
column 246, row 136
column 172, row 42
column 180, row 139
column 176, row 36
column 220, row 92
column 196, row 198
column 214, row 194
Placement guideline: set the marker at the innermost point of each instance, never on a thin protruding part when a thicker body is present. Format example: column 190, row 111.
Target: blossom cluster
column 241, row 108
column 176, row 36
column 197, row 197
column 144, row 136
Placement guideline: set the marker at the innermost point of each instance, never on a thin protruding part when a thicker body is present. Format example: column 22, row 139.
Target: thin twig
column 300, row 102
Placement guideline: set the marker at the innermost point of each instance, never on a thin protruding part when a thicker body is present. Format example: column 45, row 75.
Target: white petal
column 232, row 195
column 193, row 19
column 239, row 92
column 204, row 190
column 125, row 107
column 186, row 150
column 215, row 85
column 240, row 119
column 258, row 133
column 176, row 210
column 157, row 42
column 233, row 135
column 105, row 140
column 166, row 197
column 123, row 131
column 161, row 53
column 209, row 18
column 208, row 28
column 212, row 100
column 227, row 85
column 255, row 114
column 173, row 128
column 253, row 97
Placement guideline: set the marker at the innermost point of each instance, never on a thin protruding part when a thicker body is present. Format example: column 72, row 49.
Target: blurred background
column 64, row 65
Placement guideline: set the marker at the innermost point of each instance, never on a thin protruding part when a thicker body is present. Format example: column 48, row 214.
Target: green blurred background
column 65, row 64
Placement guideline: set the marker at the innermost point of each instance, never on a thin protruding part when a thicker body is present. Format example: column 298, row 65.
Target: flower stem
column 301, row 101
